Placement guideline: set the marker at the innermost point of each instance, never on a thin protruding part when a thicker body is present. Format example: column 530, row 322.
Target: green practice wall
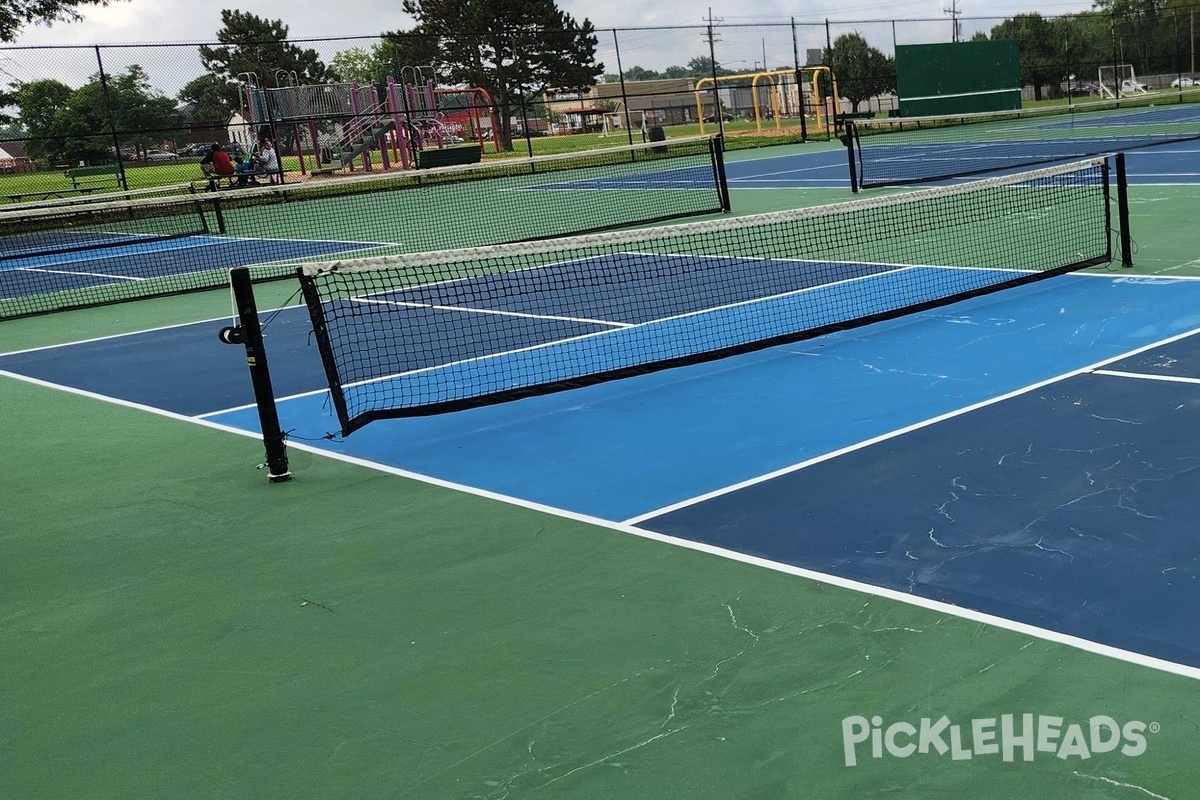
column 958, row 78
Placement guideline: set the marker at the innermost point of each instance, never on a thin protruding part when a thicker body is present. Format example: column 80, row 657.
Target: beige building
column 662, row 102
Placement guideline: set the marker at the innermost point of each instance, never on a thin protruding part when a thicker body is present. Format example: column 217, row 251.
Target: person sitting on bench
column 245, row 171
column 216, row 165
column 267, row 161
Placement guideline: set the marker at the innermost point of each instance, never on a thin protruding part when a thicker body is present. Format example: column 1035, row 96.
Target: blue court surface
column 1029, row 454
column 25, row 275
column 1173, row 164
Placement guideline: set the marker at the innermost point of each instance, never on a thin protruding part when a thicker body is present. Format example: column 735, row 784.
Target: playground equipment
column 348, row 122
column 785, row 91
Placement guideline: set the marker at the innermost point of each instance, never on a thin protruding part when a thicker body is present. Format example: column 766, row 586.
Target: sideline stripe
column 1074, row 642
column 640, row 518
column 1144, row 376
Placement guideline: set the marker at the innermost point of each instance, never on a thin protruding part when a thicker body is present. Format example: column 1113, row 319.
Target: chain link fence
column 88, row 119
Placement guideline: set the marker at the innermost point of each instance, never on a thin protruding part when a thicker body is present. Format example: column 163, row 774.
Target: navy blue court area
column 491, row 333
column 1029, row 454
column 1167, row 164
column 26, row 275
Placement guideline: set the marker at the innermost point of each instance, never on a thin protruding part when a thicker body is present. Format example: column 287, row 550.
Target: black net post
column 1123, row 213
column 717, row 147
column 249, row 334
column 849, row 141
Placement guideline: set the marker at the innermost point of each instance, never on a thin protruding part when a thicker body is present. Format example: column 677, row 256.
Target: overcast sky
column 189, row 20
column 129, row 21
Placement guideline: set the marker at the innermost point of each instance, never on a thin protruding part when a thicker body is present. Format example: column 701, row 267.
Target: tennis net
column 899, row 151
column 434, row 332
column 75, row 255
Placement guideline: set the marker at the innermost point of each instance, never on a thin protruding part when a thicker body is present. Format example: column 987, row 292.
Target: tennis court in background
column 1024, row 459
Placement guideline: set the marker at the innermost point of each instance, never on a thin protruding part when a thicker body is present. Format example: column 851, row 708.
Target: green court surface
column 175, row 627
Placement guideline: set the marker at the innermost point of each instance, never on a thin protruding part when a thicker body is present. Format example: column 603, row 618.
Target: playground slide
column 355, row 146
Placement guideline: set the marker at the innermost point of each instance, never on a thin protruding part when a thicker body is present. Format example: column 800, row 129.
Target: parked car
column 1179, row 83
column 193, row 150
column 160, row 155
column 1130, row 85
column 1084, row 88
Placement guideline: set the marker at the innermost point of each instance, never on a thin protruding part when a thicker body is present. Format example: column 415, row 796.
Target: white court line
column 1085, row 645
column 891, row 266
column 557, row 342
column 77, row 272
column 94, row 339
column 640, row 518
column 762, row 175
column 466, row 309
column 1114, row 373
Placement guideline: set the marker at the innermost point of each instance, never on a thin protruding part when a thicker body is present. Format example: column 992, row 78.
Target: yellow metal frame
column 775, row 94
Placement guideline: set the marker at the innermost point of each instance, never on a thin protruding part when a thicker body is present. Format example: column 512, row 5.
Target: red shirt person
column 216, row 163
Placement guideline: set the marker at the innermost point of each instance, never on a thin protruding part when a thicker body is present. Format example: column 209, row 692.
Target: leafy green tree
column 251, row 44
column 140, row 114
column 357, row 65
column 702, row 67
column 205, row 100
column 40, row 103
column 515, row 48
column 75, row 124
column 1135, row 24
column 636, row 73
column 376, row 64
column 862, row 71
column 675, row 73
column 16, row 14
column 1083, row 42
column 407, row 50
column 1041, row 51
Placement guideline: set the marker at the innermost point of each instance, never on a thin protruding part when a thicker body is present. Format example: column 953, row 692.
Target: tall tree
column 636, row 73
column 1042, row 59
column 40, row 102
column 1135, row 23
column 862, row 71
column 252, row 44
column 512, row 48
column 378, row 62
column 76, row 124
column 1083, row 42
column 16, row 14
column 141, row 115
column 205, row 99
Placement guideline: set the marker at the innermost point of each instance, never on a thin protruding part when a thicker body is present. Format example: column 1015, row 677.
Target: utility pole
column 954, row 15
column 712, row 38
